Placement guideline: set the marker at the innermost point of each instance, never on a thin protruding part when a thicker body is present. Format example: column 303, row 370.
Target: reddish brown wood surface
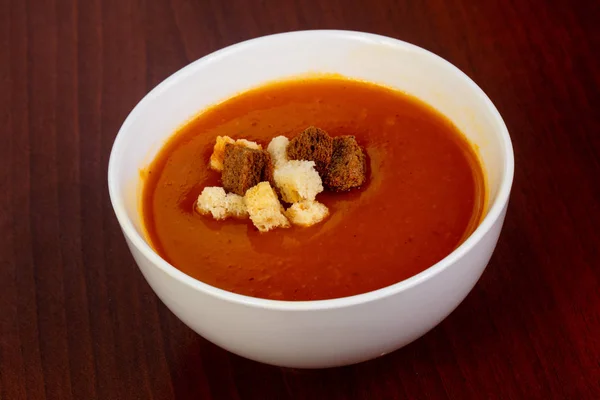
column 77, row 320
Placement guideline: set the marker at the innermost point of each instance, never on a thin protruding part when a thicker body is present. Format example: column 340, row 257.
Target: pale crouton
column 264, row 208
column 214, row 201
column 235, row 206
column 216, row 158
column 278, row 150
column 297, row 181
column 307, row 213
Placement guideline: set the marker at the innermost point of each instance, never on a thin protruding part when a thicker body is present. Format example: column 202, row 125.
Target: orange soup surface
column 424, row 194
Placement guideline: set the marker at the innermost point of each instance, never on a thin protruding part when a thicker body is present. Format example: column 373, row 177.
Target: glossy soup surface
column 424, row 194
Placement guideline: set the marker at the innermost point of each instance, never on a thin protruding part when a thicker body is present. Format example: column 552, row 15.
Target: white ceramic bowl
column 323, row 333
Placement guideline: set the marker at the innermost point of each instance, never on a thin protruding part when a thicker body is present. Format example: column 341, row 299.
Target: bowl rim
column 475, row 237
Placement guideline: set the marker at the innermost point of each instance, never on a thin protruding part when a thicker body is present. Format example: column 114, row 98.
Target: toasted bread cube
column 242, row 168
column 307, row 213
column 213, row 200
column 278, row 150
column 235, row 206
column 297, row 181
column 264, row 208
column 313, row 144
column 216, row 158
column 348, row 167
column 268, row 170
column 218, row 154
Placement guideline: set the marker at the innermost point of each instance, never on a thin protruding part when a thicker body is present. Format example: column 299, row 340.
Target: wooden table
column 77, row 320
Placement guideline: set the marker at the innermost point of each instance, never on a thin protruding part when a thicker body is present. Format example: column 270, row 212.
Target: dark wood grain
column 77, row 320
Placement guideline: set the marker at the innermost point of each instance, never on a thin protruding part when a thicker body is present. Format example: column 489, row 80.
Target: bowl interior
column 249, row 64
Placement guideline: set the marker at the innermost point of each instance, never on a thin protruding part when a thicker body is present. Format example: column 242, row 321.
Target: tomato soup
column 424, row 194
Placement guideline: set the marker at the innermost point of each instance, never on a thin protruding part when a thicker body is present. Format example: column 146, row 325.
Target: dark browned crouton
column 243, row 168
column 348, row 167
column 268, row 170
column 313, row 144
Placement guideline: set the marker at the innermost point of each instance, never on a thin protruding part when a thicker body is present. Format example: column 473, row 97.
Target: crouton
column 218, row 154
column 348, row 167
column 268, row 171
column 307, row 213
column 235, row 206
column 313, row 144
column 216, row 158
column 242, row 168
column 264, row 208
column 214, row 201
column 278, row 150
column 297, row 181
